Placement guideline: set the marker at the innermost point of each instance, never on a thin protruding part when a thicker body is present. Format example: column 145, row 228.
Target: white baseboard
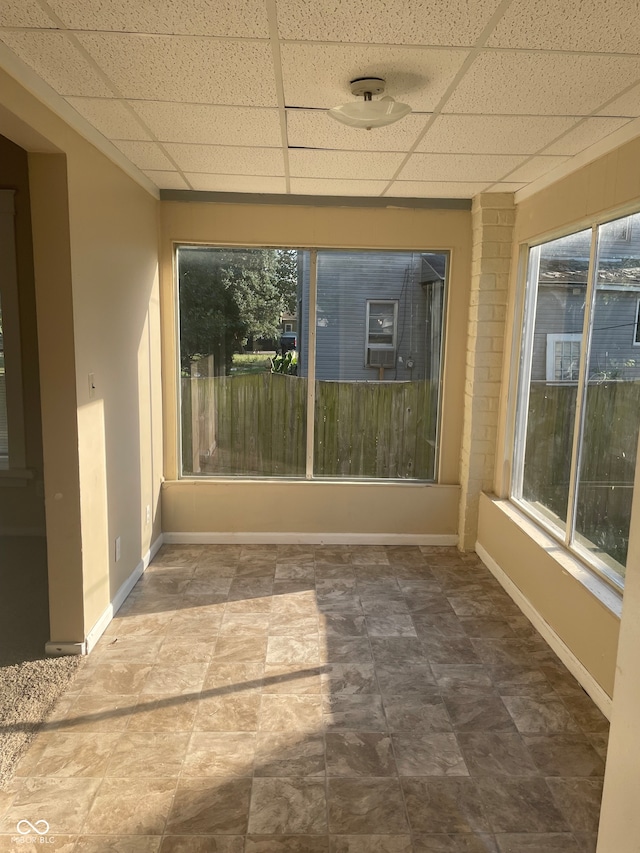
column 575, row 667
column 53, row 648
column 309, row 539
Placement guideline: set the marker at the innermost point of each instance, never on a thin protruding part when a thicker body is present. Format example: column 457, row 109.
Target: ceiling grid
column 231, row 96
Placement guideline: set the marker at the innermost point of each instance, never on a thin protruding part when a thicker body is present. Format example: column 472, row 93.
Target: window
column 578, row 408
column 381, row 327
column 251, row 407
column 563, row 358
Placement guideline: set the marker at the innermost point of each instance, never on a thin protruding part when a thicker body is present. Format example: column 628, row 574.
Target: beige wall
column 380, row 507
column 619, row 829
column 309, row 508
column 584, row 624
column 95, row 234
column 608, row 187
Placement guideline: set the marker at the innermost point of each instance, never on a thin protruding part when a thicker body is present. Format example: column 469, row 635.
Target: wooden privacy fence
column 374, row 429
column 610, row 438
column 362, row 429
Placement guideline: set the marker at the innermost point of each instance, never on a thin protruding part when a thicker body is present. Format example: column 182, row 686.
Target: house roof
column 232, row 96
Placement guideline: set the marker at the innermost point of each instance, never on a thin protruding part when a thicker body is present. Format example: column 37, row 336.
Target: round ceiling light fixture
column 369, row 113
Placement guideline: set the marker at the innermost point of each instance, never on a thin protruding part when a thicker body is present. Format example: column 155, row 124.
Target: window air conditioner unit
column 381, row 357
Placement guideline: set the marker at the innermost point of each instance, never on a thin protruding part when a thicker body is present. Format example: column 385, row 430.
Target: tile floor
column 306, row 699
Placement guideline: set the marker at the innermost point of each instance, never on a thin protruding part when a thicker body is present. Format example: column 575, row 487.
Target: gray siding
column 346, row 281
column 560, row 310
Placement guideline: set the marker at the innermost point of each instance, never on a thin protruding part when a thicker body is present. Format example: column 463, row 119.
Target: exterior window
column 578, row 418
column 381, row 328
column 563, row 358
column 259, row 399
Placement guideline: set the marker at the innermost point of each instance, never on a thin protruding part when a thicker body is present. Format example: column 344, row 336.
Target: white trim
column 636, row 331
column 258, row 538
column 575, row 667
column 53, row 648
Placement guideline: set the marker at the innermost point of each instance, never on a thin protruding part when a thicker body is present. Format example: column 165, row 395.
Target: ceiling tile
column 145, row 155
column 586, row 25
column 111, row 117
column 211, row 125
column 167, row 180
column 535, row 168
column 53, row 56
column 318, row 75
column 467, row 134
column 236, row 183
column 316, row 129
column 17, row 13
column 343, row 164
column 457, row 22
column 435, row 189
column 521, row 83
column 318, row 186
column 224, row 160
column 588, row 133
column 245, row 18
column 196, row 70
column 625, row 105
column 474, row 168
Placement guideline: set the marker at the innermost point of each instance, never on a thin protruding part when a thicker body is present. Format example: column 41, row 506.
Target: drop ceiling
column 231, row 95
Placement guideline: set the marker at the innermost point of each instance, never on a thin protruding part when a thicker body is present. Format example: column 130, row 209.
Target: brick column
column 493, row 216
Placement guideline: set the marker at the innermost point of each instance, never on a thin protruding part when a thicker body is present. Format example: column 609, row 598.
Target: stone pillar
column 493, row 217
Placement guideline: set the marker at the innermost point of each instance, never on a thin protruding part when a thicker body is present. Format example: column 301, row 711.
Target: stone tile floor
column 249, row 699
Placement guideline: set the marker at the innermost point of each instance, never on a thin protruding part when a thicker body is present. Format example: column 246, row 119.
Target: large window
column 310, row 363
column 579, row 397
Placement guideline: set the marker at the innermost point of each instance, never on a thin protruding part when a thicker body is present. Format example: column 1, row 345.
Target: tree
column 228, row 296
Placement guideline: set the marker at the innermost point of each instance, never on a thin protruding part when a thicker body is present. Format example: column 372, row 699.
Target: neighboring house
column 288, row 323
column 378, row 315
column 615, row 343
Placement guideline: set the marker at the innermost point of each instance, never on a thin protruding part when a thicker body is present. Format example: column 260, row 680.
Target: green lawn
column 251, row 362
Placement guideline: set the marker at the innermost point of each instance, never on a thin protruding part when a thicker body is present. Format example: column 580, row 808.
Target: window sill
column 567, row 561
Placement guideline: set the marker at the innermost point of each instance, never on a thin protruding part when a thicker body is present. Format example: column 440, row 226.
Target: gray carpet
column 30, row 682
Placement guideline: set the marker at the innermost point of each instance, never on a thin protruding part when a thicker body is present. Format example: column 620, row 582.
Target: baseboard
column 118, row 599
column 261, row 538
column 575, row 667
column 58, row 649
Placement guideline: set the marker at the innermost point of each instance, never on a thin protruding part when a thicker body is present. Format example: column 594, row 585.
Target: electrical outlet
column 148, row 513
column 117, row 548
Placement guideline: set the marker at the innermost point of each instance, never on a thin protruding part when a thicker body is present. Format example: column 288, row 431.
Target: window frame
column 636, row 331
column 520, row 378
column 313, row 251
